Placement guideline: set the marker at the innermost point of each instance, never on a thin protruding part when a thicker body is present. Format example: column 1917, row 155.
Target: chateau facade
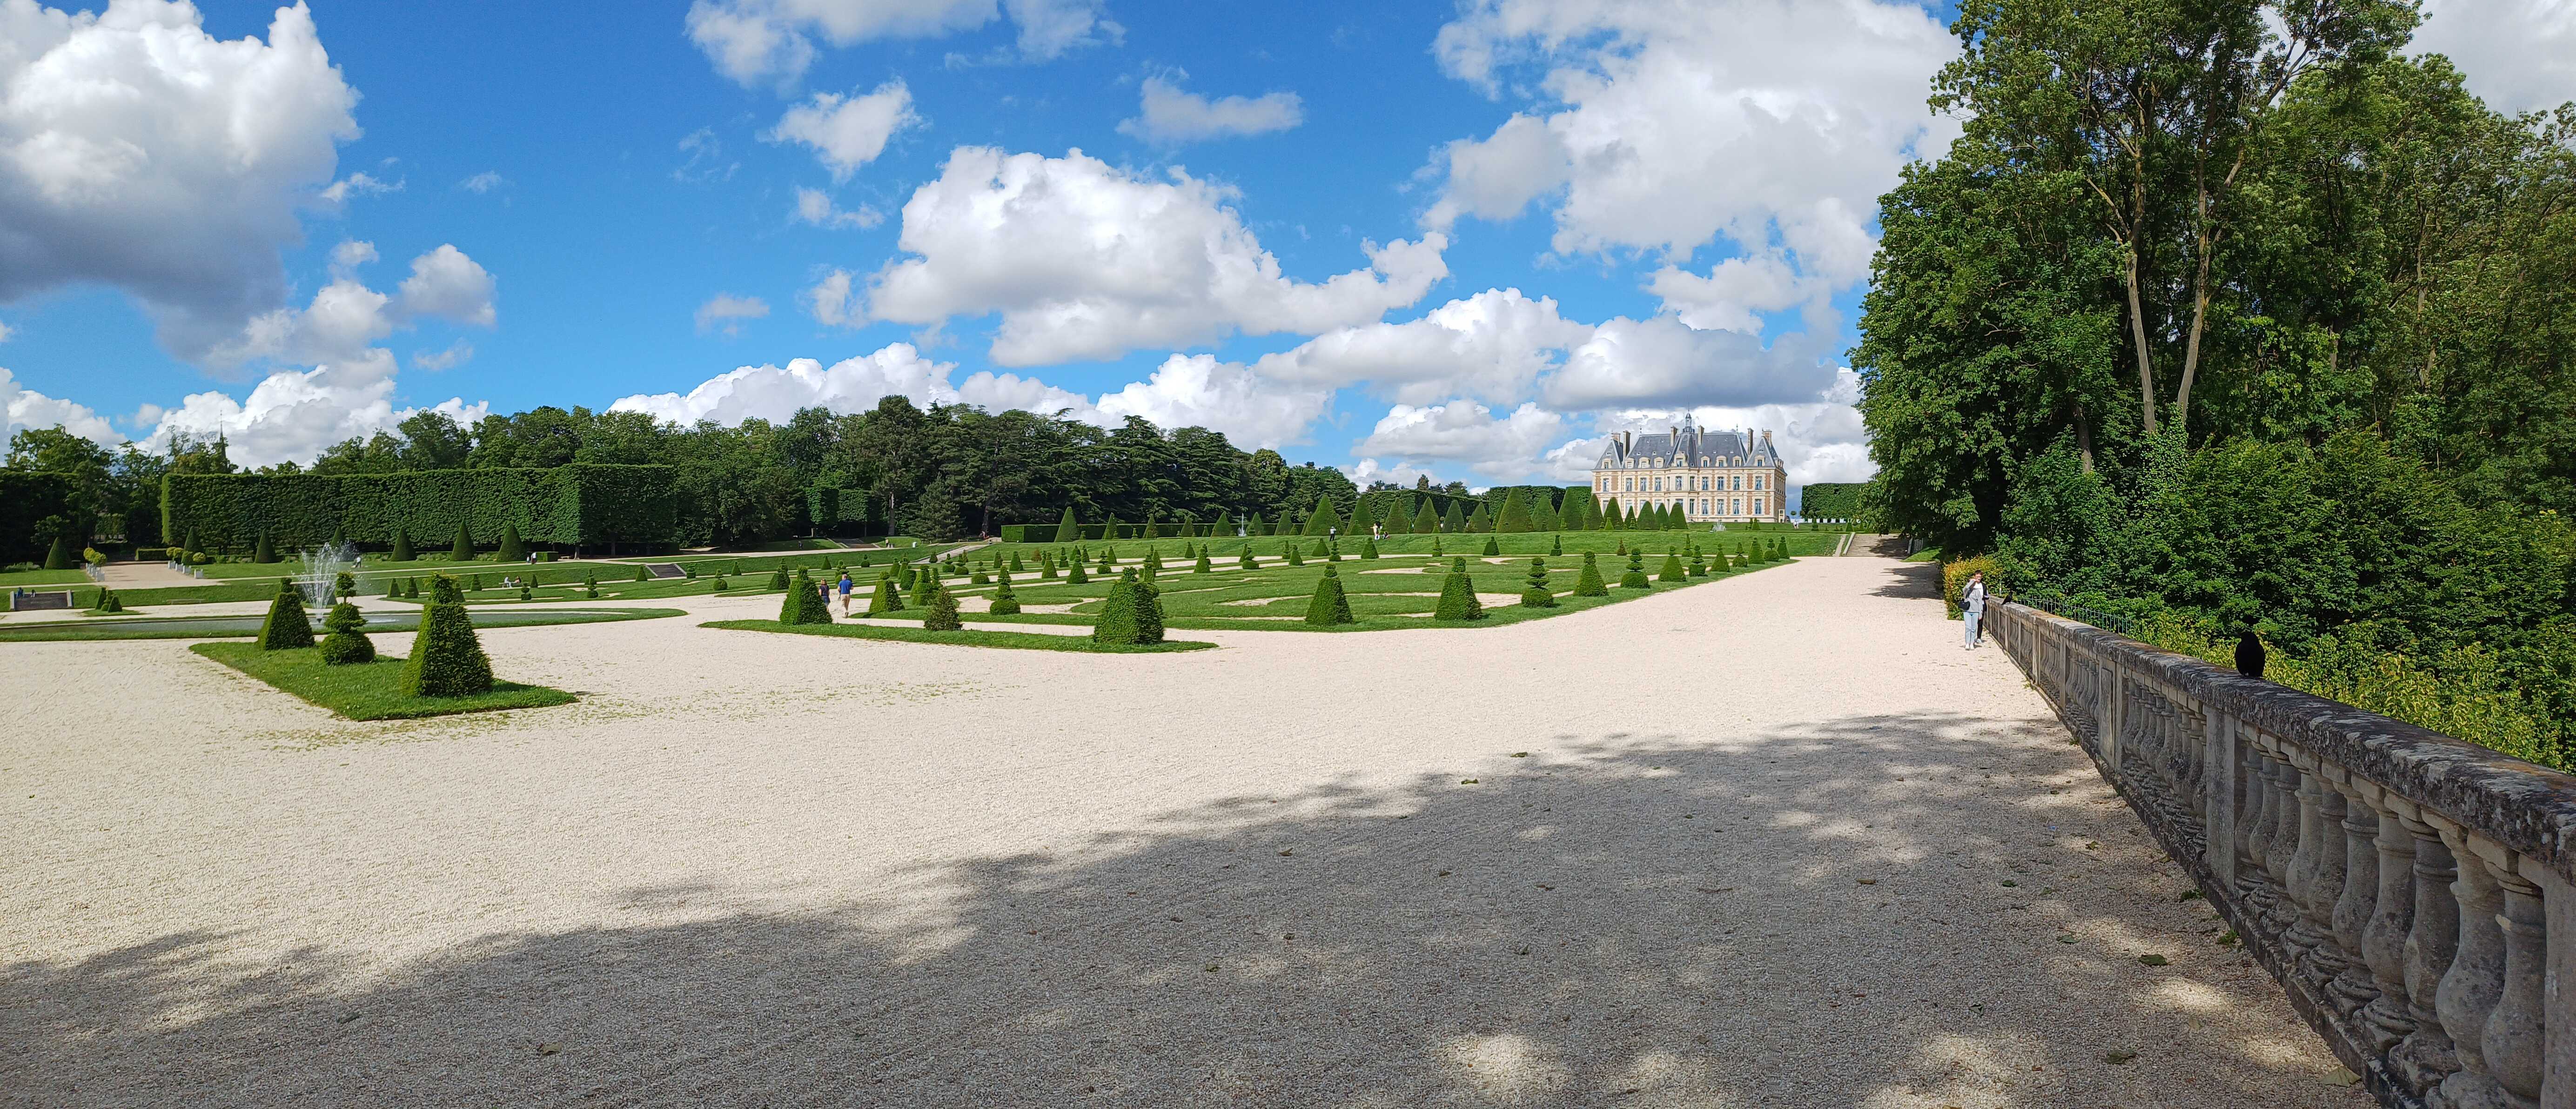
column 1715, row 476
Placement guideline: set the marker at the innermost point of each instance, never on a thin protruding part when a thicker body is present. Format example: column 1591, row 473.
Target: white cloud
column 1171, row 115
column 832, row 303
column 139, row 152
column 1084, row 261
column 1491, row 345
column 457, row 354
column 1368, row 470
column 25, row 409
column 1666, row 127
column 1734, row 291
column 703, row 159
column 725, row 312
column 356, row 184
column 1501, row 447
column 1663, row 361
column 349, row 255
column 446, row 283
column 2517, row 55
column 293, row 415
column 5, row 332
column 773, row 41
column 483, row 182
column 815, row 206
column 1198, row 391
column 772, row 393
column 847, row 132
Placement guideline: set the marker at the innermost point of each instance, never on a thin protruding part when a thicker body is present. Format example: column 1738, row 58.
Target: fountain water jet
column 319, row 569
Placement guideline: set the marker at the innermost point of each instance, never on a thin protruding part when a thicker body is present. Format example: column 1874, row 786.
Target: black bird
column 2249, row 655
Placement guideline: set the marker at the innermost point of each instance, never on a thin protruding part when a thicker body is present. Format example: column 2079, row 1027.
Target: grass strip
column 367, row 690
column 243, row 627
column 971, row 637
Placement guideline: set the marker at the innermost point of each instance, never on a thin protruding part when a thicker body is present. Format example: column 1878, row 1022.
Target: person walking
column 845, row 592
column 1972, row 602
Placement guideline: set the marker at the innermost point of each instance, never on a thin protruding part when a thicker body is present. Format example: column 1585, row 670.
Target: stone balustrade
column 2414, row 894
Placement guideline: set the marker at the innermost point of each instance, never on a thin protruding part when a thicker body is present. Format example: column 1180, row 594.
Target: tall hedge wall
column 1382, row 501
column 576, row 504
column 27, row 497
column 1831, row 500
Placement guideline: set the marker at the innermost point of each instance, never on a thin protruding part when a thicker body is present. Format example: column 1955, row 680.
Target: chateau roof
column 1688, row 446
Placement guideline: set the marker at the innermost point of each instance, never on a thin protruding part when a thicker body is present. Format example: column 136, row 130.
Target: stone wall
column 2414, row 894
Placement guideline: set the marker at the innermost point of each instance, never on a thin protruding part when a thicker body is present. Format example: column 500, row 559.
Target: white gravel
column 753, row 869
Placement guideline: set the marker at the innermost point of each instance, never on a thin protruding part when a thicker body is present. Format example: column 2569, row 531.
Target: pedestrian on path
column 845, row 592
column 1972, row 601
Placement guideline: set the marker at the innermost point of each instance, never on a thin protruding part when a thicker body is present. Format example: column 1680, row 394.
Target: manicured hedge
column 27, row 498
column 580, row 504
column 1831, row 500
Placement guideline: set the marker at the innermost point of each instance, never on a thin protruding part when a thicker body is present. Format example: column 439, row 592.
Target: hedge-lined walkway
column 1772, row 840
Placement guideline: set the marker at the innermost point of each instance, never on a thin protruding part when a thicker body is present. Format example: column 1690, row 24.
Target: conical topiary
column 1425, row 521
column 1016, row 565
column 1589, row 583
column 402, row 546
column 109, row 602
column 1623, row 547
column 778, row 577
column 1698, row 565
column 447, row 660
column 1046, row 566
column 1331, row 549
column 463, row 551
column 1368, row 548
column 1435, row 546
column 1671, row 570
column 1361, row 522
column 1075, row 576
column 1556, row 546
column 1453, row 521
column 1295, row 558
column 1493, row 549
column 1330, row 606
column 1131, row 614
column 286, row 627
column 1515, row 516
column 939, row 612
column 59, row 556
column 511, row 549
column 1478, row 521
column 261, row 551
column 1458, row 599
column 1399, row 516
column 980, row 578
column 590, row 584
column 1203, row 566
column 347, row 643
column 1324, row 520
column 1246, row 560
column 888, row 596
column 1635, row 577
column 1005, row 599
column 1534, row 592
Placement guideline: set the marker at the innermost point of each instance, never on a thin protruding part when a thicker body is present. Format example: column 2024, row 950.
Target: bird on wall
column 2249, row 655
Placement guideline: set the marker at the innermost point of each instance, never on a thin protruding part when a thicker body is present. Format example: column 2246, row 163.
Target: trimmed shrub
column 1458, row 596
column 1324, row 519
column 1435, row 546
column 512, row 549
column 1330, row 606
column 1478, row 522
column 1017, row 567
column 590, row 583
column 1515, row 513
column 344, row 585
column 981, row 579
column 447, row 659
column 402, row 546
column 1493, row 549
column 778, row 577
column 1073, row 574
column 888, row 597
column 1066, row 530
column 1635, row 578
column 1556, row 547
column 1203, row 566
column 263, row 551
column 939, row 613
column 1399, row 516
column 347, row 643
column 1542, row 514
column 1368, row 547
column 1046, row 566
column 1331, row 549
column 1698, row 565
column 1534, row 592
column 463, row 551
column 1623, row 547
column 1454, row 519
column 1295, row 556
column 1006, row 601
column 1611, row 520
column 286, row 627
column 1153, row 562
column 1117, row 622
column 1361, row 522
column 1149, row 613
column 108, row 602
column 1589, row 583
column 1425, row 521
column 642, row 574
column 1954, row 581
column 1671, row 570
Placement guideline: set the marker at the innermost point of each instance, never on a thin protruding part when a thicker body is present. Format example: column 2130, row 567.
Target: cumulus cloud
column 846, row 132
column 1084, row 261
column 774, row 393
column 1198, row 391
column 444, row 282
column 725, row 312
column 1171, row 114
column 5, row 332
column 815, row 206
column 757, row 42
column 25, row 410
column 1462, row 431
column 1491, row 345
column 1667, row 127
column 832, row 303
column 144, row 154
column 2517, row 55
column 1661, row 360
column 356, row 184
column 483, row 182
column 457, row 354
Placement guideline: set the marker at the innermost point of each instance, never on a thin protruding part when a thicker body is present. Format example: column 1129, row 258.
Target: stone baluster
column 2323, row 840
column 2516, row 1036
column 2285, row 837
column 2193, row 748
column 2356, row 985
column 2222, row 798
column 2470, row 989
column 2299, row 881
column 2426, row 1056
column 2255, row 827
column 2392, row 915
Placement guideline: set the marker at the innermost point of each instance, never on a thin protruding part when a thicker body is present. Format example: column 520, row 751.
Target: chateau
column 1716, row 476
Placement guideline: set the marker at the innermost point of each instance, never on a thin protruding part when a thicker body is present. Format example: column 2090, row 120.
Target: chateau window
column 1757, row 506
column 1739, row 506
column 1757, row 481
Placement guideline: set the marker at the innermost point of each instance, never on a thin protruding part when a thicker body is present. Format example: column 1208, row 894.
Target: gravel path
column 1775, row 841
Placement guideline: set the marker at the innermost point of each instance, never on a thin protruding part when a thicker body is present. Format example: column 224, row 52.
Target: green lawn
column 138, row 626
column 31, row 578
column 370, row 690
column 970, row 637
column 1275, row 597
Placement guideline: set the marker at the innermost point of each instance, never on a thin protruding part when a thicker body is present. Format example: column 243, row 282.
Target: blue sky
column 1499, row 229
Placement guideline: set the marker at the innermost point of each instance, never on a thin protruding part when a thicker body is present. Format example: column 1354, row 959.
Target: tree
column 1579, row 511
column 1329, row 606
column 1516, row 512
column 1131, row 615
column 1458, row 600
column 402, row 551
column 463, row 551
column 59, row 556
column 447, row 659
column 1477, row 521
column 1454, row 521
column 1589, row 583
column 1324, row 520
column 1535, row 593
column 1399, row 515
column 261, row 551
column 1611, row 520
column 1425, row 521
column 888, row 596
column 1361, row 522
column 512, row 548
column 1368, row 547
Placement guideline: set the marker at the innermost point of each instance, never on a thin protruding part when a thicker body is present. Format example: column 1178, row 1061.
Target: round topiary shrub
column 287, row 627
column 348, row 643
column 447, row 659
column 1006, row 601
column 1635, row 578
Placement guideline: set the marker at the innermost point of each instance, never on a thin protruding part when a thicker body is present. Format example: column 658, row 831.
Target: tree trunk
column 2138, row 339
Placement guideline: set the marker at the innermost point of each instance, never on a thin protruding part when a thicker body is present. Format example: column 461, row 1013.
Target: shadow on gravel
column 1869, row 911
column 1911, row 581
